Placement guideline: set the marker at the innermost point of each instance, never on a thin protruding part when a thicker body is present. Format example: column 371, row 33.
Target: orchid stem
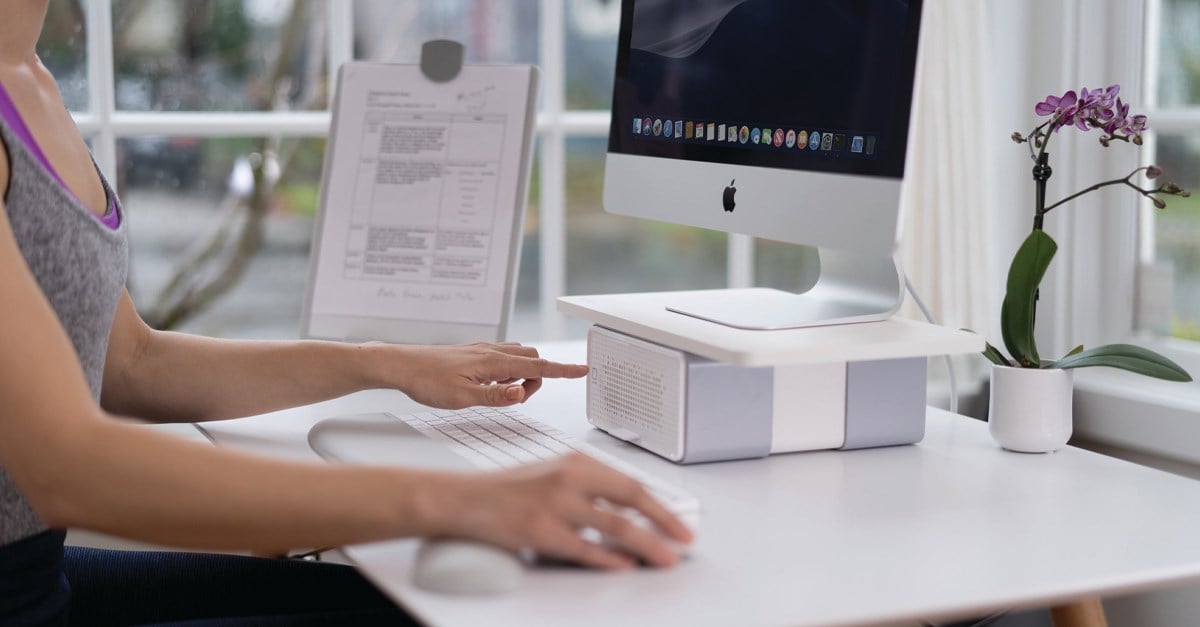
column 1125, row 180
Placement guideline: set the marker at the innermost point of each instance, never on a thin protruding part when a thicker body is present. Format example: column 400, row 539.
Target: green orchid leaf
column 1005, row 332
column 1020, row 300
column 995, row 356
column 1127, row 357
column 1075, row 351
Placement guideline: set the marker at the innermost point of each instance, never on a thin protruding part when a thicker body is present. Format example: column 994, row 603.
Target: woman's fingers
column 563, row 542
column 623, row 491
column 519, row 367
column 513, row 374
column 493, row 394
column 556, row 508
column 531, row 386
column 622, row 532
column 514, row 348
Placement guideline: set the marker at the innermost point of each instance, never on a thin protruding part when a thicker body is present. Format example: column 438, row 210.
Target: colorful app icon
column 744, row 134
column 647, row 126
column 839, row 142
column 658, row 127
column 637, row 126
column 732, row 133
column 755, row 135
column 668, row 128
column 689, row 130
column 678, row 129
column 870, row 144
column 778, row 137
column 856, row 143
column 790, row 138
column 827, row 141
column 712, row 130
column 801, row 139
column 814, row 140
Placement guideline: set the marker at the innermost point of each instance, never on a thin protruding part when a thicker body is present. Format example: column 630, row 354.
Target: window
column 1171, row 238
column 185, row 103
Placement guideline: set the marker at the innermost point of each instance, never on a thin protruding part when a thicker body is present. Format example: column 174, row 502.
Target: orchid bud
column 1159, row 203
column 1185, row 194
column 1105, row 139
column 1016, row 137
column 1137, row 140
column 1171, row 188
column 1153, row 172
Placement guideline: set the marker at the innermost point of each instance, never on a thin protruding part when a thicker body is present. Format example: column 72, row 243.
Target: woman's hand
column 544, row 506
column 453, row 377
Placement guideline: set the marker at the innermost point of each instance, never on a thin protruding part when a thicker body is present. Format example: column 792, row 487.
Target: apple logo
column 727, row 199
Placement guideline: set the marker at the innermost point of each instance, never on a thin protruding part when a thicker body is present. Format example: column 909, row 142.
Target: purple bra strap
column 8, row 110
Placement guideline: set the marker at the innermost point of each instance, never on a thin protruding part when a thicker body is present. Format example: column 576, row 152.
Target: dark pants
column 146, row 587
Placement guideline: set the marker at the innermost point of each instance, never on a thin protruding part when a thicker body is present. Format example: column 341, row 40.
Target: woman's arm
column 78, row 468
column 163, row 376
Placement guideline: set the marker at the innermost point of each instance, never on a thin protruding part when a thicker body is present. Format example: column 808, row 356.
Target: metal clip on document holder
column 441, row 60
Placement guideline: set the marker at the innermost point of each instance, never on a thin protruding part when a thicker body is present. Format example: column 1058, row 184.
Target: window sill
column 1152, row 420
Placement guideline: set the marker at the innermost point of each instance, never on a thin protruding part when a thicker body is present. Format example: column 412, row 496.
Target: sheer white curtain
column 948, row 195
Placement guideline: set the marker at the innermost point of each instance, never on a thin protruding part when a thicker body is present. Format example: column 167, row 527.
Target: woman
column 76, row 356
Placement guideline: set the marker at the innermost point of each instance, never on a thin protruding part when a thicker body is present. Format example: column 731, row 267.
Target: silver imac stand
column 852, row 287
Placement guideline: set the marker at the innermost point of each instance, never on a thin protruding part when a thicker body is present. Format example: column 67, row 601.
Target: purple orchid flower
column 1054, row 105
column 1118, row 119
column 1136, row 125
column 1088, row 109
column 1062, row 107
column 1110, row 94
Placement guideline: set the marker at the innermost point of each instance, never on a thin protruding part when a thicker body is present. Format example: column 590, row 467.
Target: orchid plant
column 1103, row 110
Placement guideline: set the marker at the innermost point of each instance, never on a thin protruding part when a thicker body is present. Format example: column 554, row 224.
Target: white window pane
column 63, row 50
column 496, row 31
column 1177, row 231
column 220, row 55
column 591, row 52
column 175, row 204
column 1179, row 53
column 608, row 253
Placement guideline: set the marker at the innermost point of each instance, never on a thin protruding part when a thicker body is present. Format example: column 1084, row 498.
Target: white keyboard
column 501, row 438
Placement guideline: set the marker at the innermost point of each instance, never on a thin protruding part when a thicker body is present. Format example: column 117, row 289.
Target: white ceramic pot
column 1030, row 408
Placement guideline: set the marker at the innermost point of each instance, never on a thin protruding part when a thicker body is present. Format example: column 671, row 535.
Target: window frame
column 1145, row 420
column 104, row 124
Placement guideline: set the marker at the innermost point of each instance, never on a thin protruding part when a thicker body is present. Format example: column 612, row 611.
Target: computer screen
column 820, row 85
column 783, row 119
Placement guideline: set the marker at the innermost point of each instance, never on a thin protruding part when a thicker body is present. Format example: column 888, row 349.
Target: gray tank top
column 80, row 265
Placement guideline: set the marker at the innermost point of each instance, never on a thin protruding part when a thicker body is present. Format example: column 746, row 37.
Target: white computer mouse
column 464, row 567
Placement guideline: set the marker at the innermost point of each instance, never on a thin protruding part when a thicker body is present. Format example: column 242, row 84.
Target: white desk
column 949, row 527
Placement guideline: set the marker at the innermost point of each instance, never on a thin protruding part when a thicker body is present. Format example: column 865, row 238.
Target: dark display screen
column 822, row 85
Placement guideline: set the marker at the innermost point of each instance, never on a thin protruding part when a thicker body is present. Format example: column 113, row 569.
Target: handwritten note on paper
column 421, row 196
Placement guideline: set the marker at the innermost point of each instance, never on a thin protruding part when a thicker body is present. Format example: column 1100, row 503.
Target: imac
column 781, row 119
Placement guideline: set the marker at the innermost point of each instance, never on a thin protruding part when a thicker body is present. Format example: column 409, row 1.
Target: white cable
column 949, row 364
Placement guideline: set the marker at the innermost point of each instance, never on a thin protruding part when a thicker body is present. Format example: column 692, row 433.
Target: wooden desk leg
column 1082, row 613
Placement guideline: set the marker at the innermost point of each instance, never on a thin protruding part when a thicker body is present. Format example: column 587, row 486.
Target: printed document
column 418, row 213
